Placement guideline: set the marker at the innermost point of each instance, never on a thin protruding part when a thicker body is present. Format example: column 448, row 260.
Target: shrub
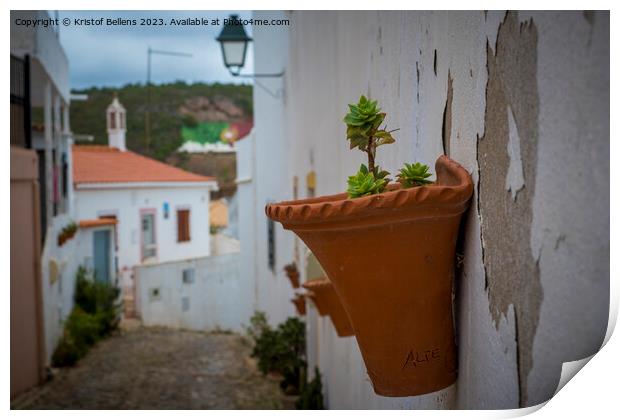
column 265, row 342
column 311, row 395
column 291, row 352
column 66, row 352
column 280, row 350
column 95, row 315
column 98, row 299
column 83, row 328
column 258, row 324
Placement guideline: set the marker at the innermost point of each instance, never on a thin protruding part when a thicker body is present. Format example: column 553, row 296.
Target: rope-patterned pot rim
column 448, row 196
column 317, row 284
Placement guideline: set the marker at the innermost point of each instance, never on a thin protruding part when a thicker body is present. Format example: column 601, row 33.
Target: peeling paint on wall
column 514, row 180
column 417, row 75
column 447, row 119
column 512, row 274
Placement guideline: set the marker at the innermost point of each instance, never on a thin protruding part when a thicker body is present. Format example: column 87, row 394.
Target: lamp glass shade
column 234, row 53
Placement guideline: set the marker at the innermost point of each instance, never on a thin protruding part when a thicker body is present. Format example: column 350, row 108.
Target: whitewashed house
column 447, row 79
column 43, row 267
column 41, row 278
column 161, row 212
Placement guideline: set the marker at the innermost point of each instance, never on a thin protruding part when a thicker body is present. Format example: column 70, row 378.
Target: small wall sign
column 166, row 210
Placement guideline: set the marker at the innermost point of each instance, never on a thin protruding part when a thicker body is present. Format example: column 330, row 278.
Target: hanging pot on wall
column 324, row 297
column 293, row 274
column 390, row 258
column 300, row 303
column 318, row 303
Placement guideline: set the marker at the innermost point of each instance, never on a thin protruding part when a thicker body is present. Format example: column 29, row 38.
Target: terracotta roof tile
column 87, row 223
column 100, row 164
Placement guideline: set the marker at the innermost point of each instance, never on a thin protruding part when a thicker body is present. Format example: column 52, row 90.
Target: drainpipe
column 47, row 120
column 58, row 161
column 255, row 224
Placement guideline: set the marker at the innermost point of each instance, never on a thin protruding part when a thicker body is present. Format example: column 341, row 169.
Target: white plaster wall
column 126, row 204
column 58, row 293
column 333, row 57
column 212, row 302
column 224, row 244
column 271, row 177
column 44, row 46
column 571, row 206
column 247, row 224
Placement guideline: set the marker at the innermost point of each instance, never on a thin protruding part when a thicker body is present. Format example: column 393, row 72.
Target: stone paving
column 158, row 368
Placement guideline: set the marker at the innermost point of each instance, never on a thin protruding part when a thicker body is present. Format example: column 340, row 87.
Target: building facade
column 512, row 99
column 42, row 276
column 161, row 212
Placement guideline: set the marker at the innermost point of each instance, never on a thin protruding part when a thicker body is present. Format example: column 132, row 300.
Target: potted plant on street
column 322, row 293
column 389, row 251
column 293, row 274
column 67, row 233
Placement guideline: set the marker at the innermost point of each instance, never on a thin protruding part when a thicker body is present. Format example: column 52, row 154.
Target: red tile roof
column 87, row 223
column 103, row 164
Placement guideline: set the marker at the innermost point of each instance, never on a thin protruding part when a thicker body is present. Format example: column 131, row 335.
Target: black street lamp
column 234, row 42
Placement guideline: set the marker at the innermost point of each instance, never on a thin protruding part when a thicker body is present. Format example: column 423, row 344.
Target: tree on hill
column 88, row 117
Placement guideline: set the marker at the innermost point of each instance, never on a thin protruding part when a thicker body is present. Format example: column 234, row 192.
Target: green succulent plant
column 412, row 175
column 363, row 122
column 364, row 132
column 365, row 182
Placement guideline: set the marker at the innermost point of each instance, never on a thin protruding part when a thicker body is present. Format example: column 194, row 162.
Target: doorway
column 148, row 242
column 101, row 247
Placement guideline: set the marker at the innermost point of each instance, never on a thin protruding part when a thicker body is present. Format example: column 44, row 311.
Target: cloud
column 117, row 55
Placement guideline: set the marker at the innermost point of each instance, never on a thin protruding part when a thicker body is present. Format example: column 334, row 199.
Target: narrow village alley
column 308, row 209
column 158, row 368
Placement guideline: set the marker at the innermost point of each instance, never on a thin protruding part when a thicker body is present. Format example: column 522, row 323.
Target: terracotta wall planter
column 300, row 304
column 64, row 237
column 390, row 258
column 322, row 293
column 293, row 275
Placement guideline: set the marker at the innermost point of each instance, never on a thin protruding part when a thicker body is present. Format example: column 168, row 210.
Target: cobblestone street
column 157, row 368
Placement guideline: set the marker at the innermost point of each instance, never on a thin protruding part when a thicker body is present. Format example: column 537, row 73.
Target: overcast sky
column 117, row 55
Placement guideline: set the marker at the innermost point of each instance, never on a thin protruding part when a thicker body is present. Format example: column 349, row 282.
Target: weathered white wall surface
column 58, row 282
column 270, row 177
column 224, row 244
column 211, row 302
column 522, row 101
column 59, row 267
column 247, row 225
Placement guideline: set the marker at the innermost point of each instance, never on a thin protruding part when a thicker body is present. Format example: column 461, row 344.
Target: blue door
column 101, row 247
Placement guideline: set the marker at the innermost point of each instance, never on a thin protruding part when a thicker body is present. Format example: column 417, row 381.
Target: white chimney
column 116, row 125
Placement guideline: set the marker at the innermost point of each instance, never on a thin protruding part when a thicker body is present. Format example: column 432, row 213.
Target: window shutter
column 183, row 226
column 179, row 224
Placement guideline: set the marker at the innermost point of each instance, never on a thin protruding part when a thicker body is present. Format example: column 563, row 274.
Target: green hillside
column 172, row 106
